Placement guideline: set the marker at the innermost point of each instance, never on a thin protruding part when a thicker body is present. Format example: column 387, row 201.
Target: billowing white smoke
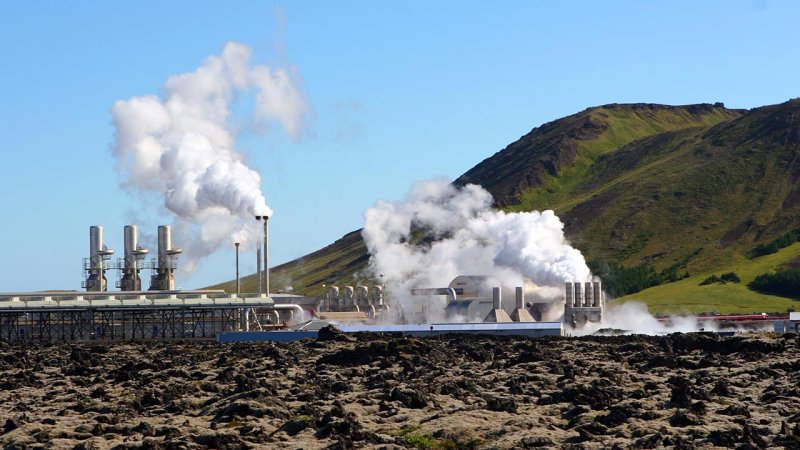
column 180, row 146
column 469, row 237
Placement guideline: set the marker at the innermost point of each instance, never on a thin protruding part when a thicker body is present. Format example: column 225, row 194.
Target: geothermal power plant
column 469, row 304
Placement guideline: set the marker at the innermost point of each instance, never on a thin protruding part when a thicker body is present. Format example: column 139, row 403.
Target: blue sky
column 399, row 92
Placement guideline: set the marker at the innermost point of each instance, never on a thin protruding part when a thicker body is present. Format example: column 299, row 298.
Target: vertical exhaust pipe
column 131, row 281
column 164, row 278
column 95, row 266
column 266, row 255
column 238, row 284
column 258, row 266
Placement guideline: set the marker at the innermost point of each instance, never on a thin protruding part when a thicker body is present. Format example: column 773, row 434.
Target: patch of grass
column 427, row 441
column 422, row 441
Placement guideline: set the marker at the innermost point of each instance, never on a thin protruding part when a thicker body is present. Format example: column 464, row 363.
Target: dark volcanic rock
column 410, row 398
column 377, row 391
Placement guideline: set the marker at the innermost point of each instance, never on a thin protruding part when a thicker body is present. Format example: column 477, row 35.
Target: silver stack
column 134, row 254
column 164, row 277
column 95, row 265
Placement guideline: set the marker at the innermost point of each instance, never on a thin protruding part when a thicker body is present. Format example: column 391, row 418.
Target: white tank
column 377, row 295
column 362, row 294
column 348, row 295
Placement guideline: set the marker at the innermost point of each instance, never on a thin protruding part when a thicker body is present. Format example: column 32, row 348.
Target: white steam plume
column 180, row 146
column 633, row 317
column 470, row 238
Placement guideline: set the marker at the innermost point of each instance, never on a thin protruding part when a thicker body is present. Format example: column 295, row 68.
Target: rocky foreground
column 365, row 391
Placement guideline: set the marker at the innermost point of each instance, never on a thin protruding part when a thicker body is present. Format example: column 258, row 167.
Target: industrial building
column 469, row 304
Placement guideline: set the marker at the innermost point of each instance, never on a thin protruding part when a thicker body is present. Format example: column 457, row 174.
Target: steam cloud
column 180, row 145
column 469, row 238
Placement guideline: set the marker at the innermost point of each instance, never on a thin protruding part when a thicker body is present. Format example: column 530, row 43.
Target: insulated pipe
column 449, row 292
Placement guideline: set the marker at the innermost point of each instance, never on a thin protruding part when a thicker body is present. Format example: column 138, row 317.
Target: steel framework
column 125, row 323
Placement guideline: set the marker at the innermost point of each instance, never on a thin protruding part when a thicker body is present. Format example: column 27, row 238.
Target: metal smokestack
column 95, row 265
column 133, row 254
column 164, row 278
column 266, row 255
column 258, row 259
column 238, row 285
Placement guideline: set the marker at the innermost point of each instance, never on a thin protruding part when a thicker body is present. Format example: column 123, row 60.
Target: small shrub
column 730, row 277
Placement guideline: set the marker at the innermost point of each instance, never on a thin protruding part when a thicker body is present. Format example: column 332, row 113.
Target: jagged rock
column 410, row 398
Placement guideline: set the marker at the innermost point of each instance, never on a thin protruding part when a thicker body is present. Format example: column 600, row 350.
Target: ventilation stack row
column 360, row 298
column 163, row 278
column 583, row 303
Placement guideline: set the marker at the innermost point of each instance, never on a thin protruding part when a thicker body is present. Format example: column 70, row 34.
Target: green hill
column 679, row 189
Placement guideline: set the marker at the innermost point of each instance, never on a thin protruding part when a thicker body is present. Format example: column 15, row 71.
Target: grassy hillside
column 689, row 187
column 687, row 296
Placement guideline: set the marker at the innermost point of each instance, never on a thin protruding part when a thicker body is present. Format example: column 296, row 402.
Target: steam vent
column 584, row 302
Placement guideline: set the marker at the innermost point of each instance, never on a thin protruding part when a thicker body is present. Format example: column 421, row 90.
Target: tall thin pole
column 238, row 284
column 258, row 266
column 266, row 255
column 258, row 260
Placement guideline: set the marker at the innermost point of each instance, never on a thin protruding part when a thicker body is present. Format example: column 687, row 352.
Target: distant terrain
column 650, row 194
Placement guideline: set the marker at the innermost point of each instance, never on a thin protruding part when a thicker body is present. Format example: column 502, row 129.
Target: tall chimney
column 570, row 294
column 588, row 294
column 258, row 259
column 238, row 285
column 164, row 278
column 96, row 278
column 258, row 266
column 133, row 254
column 578, row 294
column 266, row 255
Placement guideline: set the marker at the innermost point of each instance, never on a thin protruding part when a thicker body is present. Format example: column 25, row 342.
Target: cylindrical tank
column 332, row 298
column 362, row 294
column 377, row 295
column 349, row 296
column 588, row 294
column 578, row 295
column 333, row 292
